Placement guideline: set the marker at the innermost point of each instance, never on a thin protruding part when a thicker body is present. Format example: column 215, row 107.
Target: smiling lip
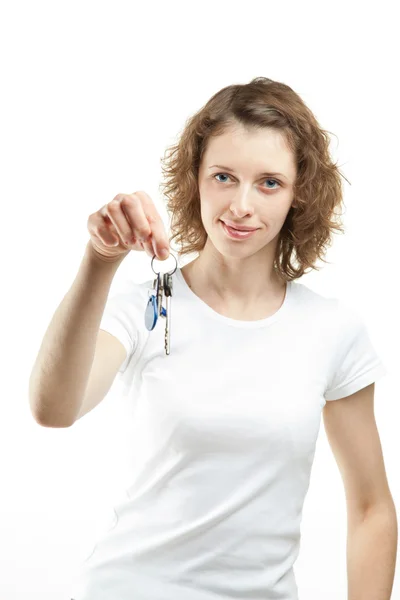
column 235, row 234
column 239, row 227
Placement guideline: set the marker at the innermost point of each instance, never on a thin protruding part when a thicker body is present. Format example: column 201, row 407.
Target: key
column 168, row 286
column 159, row 292
column 162, row 286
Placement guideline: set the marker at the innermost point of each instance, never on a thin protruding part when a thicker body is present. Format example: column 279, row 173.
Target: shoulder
column 331, row 315
column 130, row 291
column 313, row 302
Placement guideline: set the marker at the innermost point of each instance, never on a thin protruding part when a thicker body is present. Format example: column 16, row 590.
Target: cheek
column 210, row 207
column 275, row 211
column 207, row 215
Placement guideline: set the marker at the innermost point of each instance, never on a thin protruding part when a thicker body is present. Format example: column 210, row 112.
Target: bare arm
column 61, row 371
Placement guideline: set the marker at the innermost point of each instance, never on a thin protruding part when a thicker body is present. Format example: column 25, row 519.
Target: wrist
column 100, row 259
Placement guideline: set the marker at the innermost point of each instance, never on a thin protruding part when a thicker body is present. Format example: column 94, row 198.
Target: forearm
column 371, row 555
column 63, row 363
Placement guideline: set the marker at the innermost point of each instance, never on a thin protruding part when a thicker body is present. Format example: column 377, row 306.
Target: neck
column 233, row 282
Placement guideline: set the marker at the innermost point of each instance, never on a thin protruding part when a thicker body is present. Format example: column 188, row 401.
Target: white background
column 92, row 94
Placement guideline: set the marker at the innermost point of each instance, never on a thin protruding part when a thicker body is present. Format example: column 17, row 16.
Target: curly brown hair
column 262, row 103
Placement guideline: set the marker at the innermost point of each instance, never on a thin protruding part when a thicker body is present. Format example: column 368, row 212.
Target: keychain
column 162, row 285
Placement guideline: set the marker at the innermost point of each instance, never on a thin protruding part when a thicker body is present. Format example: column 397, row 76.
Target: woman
column 223, row 428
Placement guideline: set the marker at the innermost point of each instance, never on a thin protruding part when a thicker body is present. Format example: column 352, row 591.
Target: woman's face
column 256, row 191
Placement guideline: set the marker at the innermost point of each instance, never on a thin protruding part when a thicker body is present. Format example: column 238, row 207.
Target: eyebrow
column 268, row 174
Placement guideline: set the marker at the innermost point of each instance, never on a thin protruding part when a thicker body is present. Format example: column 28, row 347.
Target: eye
column 269, row 179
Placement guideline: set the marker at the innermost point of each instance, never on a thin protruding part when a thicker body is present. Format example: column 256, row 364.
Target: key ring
column 176, row 266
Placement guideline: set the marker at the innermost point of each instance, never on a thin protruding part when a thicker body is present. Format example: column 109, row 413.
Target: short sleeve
column 355, row 363
column 123, row 317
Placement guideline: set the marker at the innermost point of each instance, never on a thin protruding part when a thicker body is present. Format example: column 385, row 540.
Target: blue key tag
column 154, row 308
column 151, row 313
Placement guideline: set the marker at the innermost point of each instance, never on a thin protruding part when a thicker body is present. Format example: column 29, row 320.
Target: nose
column 241, row 204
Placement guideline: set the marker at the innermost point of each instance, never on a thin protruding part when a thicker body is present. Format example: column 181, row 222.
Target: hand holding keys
column 154, row 309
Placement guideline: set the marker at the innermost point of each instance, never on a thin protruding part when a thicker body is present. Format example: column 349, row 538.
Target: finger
column 160, row 239
column 104, row 231
column 116, row 213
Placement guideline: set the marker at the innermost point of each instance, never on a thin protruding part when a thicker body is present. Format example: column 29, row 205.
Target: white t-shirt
column 223, row 434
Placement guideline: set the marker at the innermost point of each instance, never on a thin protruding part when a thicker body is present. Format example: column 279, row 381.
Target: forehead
column 256, row 149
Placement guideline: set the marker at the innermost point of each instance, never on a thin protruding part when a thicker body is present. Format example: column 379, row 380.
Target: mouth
column 236, row 233
column 238, row 227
